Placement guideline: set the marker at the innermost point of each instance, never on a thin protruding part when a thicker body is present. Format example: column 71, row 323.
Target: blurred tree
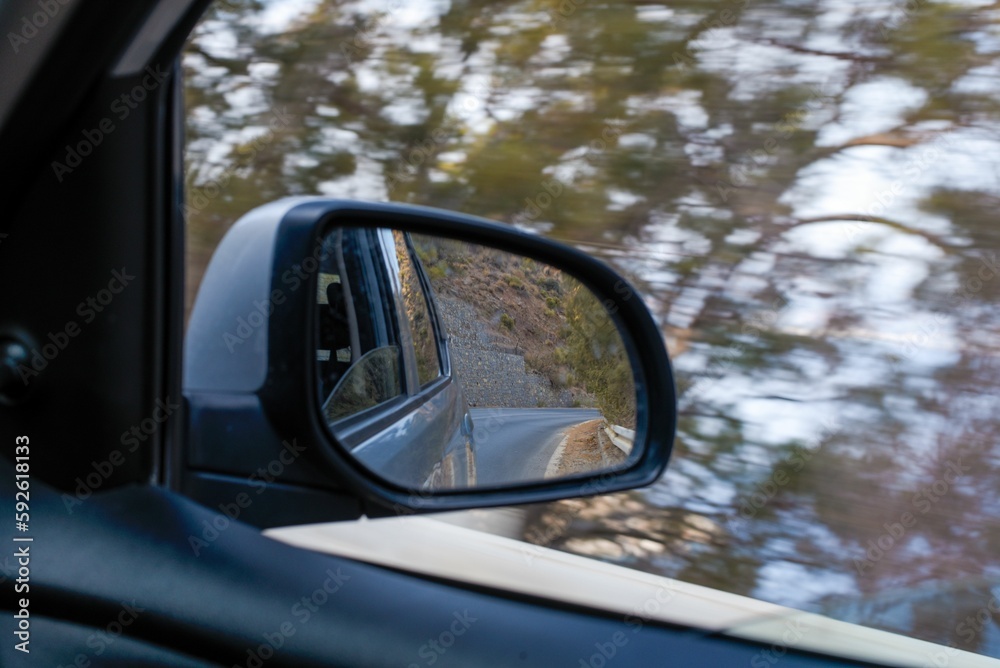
column 804, row 193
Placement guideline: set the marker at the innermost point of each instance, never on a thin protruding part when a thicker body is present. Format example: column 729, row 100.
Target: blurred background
column 801, row 190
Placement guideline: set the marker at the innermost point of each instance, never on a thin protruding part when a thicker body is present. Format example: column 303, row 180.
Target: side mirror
column 346, row 358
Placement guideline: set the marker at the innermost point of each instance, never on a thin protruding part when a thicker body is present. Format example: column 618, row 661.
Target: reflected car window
column 417, row 313
column 358, row 355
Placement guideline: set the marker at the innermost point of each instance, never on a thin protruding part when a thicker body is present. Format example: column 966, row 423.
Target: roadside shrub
column 597, row 356
column 551, row 284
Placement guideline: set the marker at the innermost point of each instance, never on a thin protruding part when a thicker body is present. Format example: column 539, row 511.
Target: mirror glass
column 443, row 364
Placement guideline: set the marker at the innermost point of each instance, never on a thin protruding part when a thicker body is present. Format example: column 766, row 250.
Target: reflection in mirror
column 446, row 365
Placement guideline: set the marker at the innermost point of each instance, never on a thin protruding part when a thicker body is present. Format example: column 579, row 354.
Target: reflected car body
column 387, row 390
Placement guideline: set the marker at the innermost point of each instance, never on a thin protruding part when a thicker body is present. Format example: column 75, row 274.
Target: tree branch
column 878, row 220
column 895, row 138
column 231, row 64
column 840, row 55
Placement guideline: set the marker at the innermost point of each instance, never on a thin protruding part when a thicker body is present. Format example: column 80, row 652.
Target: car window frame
column 385, row 316
column 354, row 430
column 437, row 327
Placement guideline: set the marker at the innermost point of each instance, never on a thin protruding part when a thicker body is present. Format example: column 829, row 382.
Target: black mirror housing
column 258, row 448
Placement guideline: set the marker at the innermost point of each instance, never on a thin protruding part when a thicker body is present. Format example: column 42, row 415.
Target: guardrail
column 622, row 438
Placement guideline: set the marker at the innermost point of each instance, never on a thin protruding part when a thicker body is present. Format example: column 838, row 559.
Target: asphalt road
column 516, row 444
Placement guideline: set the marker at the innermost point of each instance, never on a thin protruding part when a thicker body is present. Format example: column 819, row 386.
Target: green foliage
column 595, row 352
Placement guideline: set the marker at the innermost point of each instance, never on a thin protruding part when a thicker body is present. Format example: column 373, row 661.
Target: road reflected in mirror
column 447, row 365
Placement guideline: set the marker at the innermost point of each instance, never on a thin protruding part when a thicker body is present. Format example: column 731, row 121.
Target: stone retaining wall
column 488, row 366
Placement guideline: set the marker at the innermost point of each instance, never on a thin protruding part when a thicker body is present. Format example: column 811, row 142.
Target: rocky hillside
column 491, row 369
column 525, row 334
